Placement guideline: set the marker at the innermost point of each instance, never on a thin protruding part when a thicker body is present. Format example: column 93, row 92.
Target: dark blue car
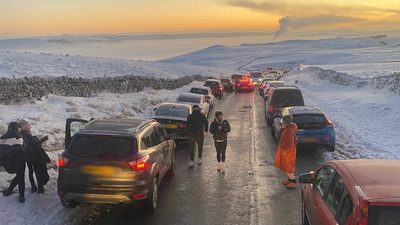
column 314, row 130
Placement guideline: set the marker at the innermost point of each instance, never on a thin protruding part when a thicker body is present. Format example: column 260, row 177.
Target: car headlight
column 259, row 79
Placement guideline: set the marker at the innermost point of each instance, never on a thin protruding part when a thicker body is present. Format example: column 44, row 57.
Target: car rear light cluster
column 249, row 84
column 62, row 161
column 238, row 85
column 363, row 204
column 328, row 122
column 138, row 164
column 271, row 108
column 182, row 125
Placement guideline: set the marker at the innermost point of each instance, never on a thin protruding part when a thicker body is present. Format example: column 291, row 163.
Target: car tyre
column 269, row 122
column 331, row 148
column 171, row 171
column 152, row 200
column 68, row 204
column 304, row 218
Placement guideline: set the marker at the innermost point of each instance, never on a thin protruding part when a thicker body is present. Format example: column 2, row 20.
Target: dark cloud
column 298, row 23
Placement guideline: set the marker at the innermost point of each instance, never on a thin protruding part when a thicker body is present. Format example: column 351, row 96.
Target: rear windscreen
column 102, row 146
column 225, row 80
column 309, row 121
column 177, row 112
column 198, row 91
column 384, row 215
column 255, row 75
column 211, row 83
column 237, row 76
column 287, row 98
column 184, row 98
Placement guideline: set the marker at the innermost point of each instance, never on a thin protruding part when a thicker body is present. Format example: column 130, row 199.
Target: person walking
column 286, row 155
column 220, row 129
column 12, row 157
column 237, row 83
column 35, row 157
column 197, row 124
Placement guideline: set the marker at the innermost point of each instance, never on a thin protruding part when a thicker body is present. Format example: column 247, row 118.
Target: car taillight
column 182, row 126
column 238, row 85
column 62, row 161
column 271, row 108
column 328, row 122
column 249, row 84
column 363, row 205
column 138, row 164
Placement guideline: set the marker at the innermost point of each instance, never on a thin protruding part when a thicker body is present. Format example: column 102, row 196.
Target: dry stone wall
column 16, row 90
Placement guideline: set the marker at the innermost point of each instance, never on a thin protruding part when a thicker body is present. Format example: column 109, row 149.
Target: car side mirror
column 306, row 178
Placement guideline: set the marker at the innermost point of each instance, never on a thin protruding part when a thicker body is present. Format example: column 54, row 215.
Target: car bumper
column 324, row 140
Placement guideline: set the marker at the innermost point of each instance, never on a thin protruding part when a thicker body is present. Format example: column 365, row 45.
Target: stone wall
column 16, row 90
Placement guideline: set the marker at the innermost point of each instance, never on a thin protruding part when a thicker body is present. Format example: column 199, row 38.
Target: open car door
column 71, row 127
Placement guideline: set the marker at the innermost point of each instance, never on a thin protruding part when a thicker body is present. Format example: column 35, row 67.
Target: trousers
column 193, row 139
column 221, row 149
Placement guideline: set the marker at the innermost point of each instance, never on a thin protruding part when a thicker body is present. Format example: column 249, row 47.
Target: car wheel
column 304, row 218
column 331, row 148
column 152, row 200
column 68, row 204
column 171, row 171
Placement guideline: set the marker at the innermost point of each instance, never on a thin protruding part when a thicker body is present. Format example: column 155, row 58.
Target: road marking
column 253, row 204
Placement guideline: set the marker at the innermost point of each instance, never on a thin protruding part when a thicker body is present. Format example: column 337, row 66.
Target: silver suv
column 114, row 161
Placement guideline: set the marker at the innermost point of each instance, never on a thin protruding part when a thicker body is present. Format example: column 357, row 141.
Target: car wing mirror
column 306, row 178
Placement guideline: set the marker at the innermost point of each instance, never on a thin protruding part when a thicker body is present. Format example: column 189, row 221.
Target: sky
column 49, row 17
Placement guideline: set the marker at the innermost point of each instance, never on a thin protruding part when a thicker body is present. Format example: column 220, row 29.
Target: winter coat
column 33, row 148
column 286, row 155
column 11, row 152
column 197, row 122
column 220, row 135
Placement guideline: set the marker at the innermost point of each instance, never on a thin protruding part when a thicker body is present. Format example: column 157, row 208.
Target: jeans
column 193, row 139
column 221, row 149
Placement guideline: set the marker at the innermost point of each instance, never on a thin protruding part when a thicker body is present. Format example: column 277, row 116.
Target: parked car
column 173, row 116
column 236, row 76
column 256, row 77
column 228, row 84
column 314, row 130
column 195, row 99
column 263, row 83
column 280, row 98
column 207, row 92
column 352, row 192
column 245, row 85
column 269, row 85
column 114, row 161
column 216, row 87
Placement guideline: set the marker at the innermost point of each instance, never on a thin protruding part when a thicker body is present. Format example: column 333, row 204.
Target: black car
column 114, row 161
column 228, row 84
column 280, row 98
column 245, row 85
column 173, row 116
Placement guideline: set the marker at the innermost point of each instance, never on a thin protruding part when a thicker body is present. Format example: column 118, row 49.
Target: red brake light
column 138, row 164
column 249, row 84
column 182, row 126
column 363, row 204
column 271, row 108
column 238, row 84
column 139, row 195
column 328, row 122
column 62, row 161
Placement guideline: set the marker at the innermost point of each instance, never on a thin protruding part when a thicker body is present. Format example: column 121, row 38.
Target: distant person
column 35, row 157
column 286, row 155
column 237, row 83
column 12, row 157
column 197, row 124
column 220, row 129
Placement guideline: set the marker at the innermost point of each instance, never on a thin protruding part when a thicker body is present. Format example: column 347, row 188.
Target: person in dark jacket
column 197, row 124
column 35, row 157
column 12, row 157
column 237, row 82
column 220, row 129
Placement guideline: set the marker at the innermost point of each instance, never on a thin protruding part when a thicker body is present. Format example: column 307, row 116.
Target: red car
column 216, row 87
column 352, row 192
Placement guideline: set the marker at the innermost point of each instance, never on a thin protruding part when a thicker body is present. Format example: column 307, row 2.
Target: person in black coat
column 220, row 129
column 197, row 124
column 35, row 157
column 12, row 157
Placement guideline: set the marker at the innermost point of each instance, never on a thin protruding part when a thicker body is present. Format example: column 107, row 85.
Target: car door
column 72, row 126
column 164, row 147
column 158, row 148
column 317, row 210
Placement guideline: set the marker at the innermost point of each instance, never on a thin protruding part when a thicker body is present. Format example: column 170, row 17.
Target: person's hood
column 196, row 112
column 10, row 134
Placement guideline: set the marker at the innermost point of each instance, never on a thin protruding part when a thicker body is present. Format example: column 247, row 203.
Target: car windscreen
column 185, row 98
column 211, row 83
column 199, row 91
column 382, row 215
column 287, row 98
column 176, row 112
column 255, row 75
column 309, row 121
column 102, row 146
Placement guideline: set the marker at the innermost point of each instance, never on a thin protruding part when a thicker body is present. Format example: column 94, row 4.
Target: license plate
column 224, row 83
column 309, row 139
column 278, row 108
column 170, row 126
column 97, row 169
column 255, row 83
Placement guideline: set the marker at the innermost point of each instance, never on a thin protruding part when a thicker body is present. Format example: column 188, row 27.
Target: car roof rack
column 143, row 124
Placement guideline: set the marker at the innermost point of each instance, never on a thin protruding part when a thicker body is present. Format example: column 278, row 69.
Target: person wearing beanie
column 35, row 158
column 220, row 129
column 13, row 159
column 197, row 124
column 286, row 155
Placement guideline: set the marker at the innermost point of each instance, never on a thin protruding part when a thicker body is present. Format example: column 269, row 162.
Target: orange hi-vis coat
column 286, row 155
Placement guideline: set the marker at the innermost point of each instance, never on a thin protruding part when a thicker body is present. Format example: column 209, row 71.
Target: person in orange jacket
column 286, row 155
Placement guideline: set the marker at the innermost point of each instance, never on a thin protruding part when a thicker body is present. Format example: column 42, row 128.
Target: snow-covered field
column 365, row 119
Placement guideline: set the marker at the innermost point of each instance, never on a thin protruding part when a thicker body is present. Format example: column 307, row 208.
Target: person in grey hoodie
column 220, row 129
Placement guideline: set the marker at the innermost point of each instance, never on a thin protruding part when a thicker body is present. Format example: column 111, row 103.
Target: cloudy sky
column 50, row 17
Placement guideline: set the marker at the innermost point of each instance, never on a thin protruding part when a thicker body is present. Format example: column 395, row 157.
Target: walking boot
column 223, row 167
column 7, row 192
column 199, row 161
column 285, row 182
column 191, row 164
column 33, row 189
column 219, row 166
